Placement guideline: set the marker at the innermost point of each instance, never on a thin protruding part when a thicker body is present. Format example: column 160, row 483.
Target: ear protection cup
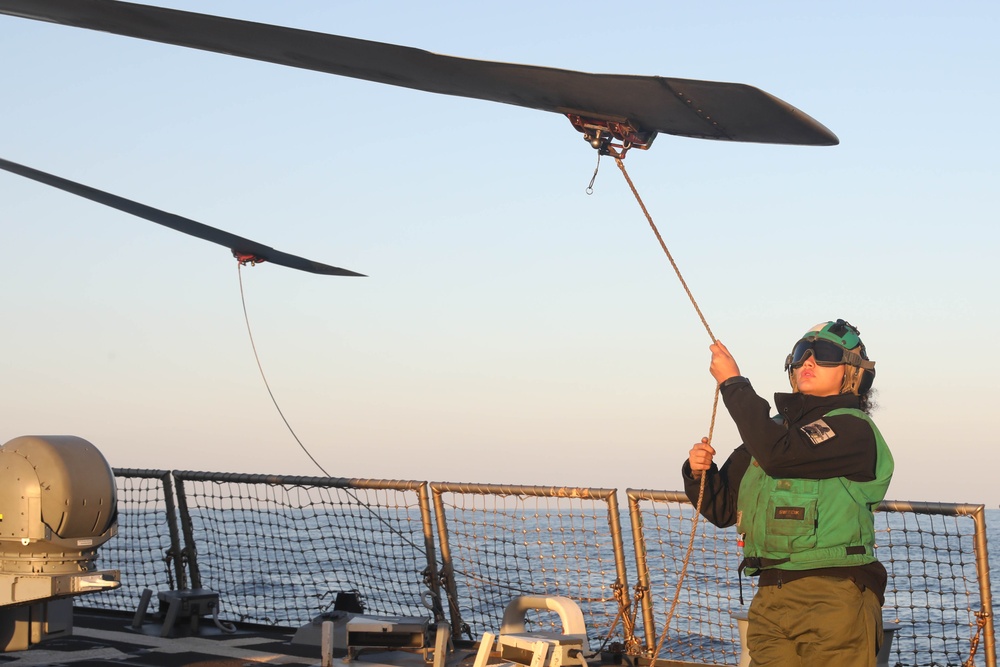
column 866, row 382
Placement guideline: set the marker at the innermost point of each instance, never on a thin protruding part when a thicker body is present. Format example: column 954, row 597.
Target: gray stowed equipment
column 58, row 504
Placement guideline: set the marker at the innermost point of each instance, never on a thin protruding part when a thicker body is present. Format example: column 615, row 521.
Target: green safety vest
column 804, row 524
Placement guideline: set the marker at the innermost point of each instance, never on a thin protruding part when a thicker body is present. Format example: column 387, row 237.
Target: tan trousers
column 814, row 622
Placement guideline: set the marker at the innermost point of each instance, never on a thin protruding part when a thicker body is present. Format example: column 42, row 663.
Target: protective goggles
column 824, row 353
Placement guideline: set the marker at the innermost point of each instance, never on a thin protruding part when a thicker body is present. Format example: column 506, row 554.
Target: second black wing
column 242, row 248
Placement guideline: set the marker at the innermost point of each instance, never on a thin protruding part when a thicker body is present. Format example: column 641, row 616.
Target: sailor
column 801, row 490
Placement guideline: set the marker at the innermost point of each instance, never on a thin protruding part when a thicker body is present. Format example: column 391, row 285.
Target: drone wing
column 243, row 249
column 643, row 104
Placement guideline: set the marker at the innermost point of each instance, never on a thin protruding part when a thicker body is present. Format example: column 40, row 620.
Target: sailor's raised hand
column 723, row 364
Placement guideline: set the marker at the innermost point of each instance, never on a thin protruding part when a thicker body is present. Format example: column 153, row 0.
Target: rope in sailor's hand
column 715, row 405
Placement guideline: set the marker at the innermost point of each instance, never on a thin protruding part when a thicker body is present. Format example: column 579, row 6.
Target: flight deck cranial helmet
column 833, row 344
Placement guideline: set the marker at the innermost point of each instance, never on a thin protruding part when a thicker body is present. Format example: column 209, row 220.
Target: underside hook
column 590, row 186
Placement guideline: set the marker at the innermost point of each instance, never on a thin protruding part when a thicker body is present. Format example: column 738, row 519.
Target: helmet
column 834, row 344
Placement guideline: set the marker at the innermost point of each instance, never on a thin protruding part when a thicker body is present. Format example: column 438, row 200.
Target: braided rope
column 649, row 218
column 715, row 406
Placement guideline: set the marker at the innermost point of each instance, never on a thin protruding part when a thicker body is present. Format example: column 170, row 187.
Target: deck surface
column 102, row 638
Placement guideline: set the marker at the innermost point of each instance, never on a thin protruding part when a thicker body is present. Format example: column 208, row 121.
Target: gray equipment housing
column 58, row 504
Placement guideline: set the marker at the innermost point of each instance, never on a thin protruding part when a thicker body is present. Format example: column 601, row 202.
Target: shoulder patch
column 817, row 432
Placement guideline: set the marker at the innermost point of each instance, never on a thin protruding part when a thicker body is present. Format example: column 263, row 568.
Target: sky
column 512, row 328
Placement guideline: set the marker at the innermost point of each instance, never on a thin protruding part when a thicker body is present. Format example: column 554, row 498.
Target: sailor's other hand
column 723, row 365
column 700, row 458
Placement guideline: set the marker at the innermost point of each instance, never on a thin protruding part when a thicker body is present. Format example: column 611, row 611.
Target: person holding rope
column 801, row 490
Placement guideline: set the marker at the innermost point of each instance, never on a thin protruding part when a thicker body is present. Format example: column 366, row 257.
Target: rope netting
column 934, row 584
column 279, row 549
column 933, row 599
column 142, row 549
column 502, row 542
column 703, row 626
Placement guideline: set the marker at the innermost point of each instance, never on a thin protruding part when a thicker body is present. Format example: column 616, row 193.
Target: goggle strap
column 855, row 359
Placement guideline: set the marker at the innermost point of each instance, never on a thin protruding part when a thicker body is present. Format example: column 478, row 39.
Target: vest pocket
column 791, row 516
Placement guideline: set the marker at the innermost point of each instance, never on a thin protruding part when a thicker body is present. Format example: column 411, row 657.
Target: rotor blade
column 242, row 248
column 684, row 107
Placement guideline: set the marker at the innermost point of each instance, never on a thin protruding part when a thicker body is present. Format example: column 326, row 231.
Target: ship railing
column 938, row 596
column 939, row 582
column 499, row 542
column 702, row 603
column 148, row 548
column 278, row 550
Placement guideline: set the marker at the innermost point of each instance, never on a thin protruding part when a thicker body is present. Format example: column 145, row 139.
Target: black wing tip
column 244, row 257
column 818, row 140
column 822, row 135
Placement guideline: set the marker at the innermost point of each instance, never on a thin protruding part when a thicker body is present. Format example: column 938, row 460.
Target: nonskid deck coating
column 107, row 639
column 104, row 638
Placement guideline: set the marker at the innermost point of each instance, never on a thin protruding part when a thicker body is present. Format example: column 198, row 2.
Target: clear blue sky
column 513, row 329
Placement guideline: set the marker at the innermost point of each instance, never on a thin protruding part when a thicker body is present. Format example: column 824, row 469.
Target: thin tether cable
column 246, row 318
column 367, row 506
column 715, row 405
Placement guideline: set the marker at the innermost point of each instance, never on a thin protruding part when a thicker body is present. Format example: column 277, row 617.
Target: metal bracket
column 601, row 134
